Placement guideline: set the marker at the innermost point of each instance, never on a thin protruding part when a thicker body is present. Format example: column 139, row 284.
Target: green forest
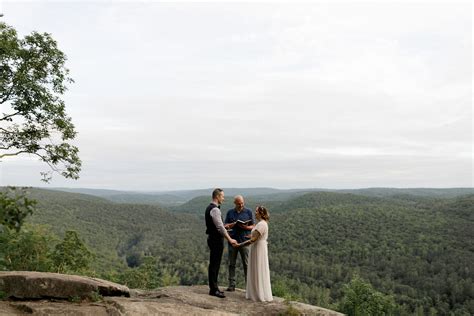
column 412, row 254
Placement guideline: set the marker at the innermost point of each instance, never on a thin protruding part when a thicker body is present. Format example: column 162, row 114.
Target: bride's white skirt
column 258, row 272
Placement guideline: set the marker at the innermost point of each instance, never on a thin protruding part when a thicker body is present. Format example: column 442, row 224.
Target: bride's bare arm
column 253, row 238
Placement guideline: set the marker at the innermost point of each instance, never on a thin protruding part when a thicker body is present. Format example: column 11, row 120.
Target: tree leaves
column 14, row 207
column 360, row 298
column 33, row 79
column 71, row 255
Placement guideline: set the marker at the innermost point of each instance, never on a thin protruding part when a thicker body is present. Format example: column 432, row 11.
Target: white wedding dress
column 258, row 272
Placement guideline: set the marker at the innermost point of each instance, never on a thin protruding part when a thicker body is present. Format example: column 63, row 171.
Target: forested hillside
column 423, row 255
column 174, row 198
column 417, row 249
column 119, row 234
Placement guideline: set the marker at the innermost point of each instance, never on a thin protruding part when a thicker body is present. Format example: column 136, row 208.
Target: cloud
column 180, row 95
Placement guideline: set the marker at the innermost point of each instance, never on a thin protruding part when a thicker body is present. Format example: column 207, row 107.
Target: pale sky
column 199, row 95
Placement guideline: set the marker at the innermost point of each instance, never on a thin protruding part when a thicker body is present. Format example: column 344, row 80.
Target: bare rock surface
column 37, row 285
column 34, row 294
column 235, row 303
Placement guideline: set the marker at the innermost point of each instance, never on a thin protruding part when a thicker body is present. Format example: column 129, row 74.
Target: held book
column 245, row 223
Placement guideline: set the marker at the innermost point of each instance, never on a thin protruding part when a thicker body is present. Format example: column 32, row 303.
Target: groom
column 215, row 240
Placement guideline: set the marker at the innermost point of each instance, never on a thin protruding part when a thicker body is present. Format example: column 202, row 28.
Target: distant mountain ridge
column 179, row 197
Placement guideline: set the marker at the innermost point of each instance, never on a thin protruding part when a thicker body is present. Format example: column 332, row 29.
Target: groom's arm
column 217, row 219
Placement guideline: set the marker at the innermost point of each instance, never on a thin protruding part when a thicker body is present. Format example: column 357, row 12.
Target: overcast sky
column 188, row 95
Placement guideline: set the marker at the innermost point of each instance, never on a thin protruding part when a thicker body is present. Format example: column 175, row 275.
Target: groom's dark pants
column 216, row 245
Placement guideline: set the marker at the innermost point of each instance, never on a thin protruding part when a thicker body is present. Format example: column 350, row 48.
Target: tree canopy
column 14, row 207
column 413, row 254
column 33, row 120
column 33, row 77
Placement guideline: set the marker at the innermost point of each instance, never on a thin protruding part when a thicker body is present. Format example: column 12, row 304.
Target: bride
column 258, row 272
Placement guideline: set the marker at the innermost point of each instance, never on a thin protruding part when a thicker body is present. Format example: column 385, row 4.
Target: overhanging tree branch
column 5, row 118
column 13, row 154
column 7, row 96
column 33, row 80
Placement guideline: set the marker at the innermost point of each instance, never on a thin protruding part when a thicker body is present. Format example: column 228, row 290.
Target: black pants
column 216, row 245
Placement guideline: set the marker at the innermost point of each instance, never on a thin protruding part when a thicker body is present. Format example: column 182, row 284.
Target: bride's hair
column 263, row 213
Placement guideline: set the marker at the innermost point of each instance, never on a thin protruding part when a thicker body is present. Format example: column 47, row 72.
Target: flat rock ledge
column 34, row 293
column 37, row 285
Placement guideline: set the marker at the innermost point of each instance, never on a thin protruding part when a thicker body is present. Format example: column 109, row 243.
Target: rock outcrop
column 47, row 293
column 37, row 285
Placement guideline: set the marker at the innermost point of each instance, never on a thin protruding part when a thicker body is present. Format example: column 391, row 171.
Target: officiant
column 239, row 222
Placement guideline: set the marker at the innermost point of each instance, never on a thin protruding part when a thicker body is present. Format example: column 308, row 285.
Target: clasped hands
column 235, row 244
